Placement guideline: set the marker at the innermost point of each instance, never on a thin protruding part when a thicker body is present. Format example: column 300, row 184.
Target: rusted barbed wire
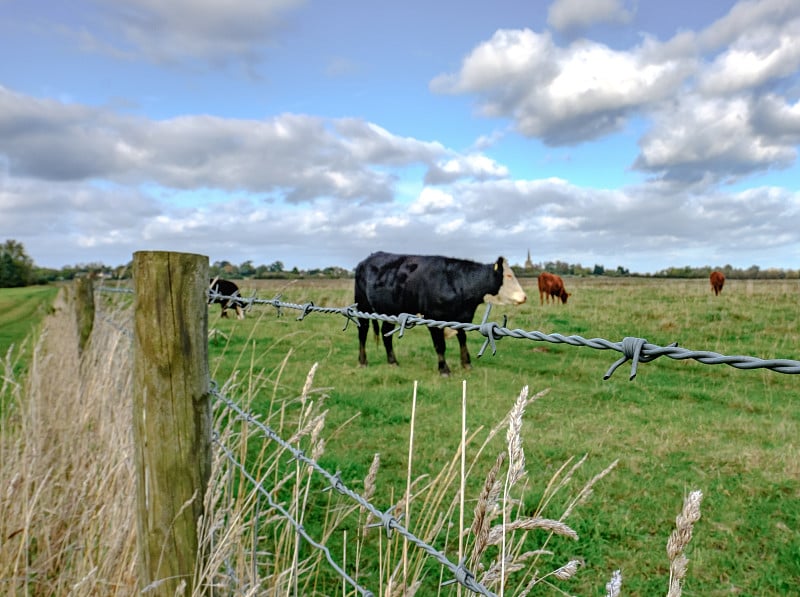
column 387, row 521
column 636, row 350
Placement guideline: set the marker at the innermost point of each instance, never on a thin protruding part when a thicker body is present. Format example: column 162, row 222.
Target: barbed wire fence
column 636, row 350
column 633, row 349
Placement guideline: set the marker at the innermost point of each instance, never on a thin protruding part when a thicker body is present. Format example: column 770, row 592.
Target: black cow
column 434, row 287
column 226, row 288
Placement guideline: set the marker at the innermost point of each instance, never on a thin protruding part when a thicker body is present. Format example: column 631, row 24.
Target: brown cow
column 552, row 285
column 717, row 282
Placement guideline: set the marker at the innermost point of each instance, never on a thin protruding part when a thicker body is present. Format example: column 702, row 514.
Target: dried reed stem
column 408, row 481
column 516, row 469
column 463, row 476
column 679, row 539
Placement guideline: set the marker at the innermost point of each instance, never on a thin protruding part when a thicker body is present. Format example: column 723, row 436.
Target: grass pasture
column 21, row 309
column 21, row 312
column 679, row 426
column 66, row 476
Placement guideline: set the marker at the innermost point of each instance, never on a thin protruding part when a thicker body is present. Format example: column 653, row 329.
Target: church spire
column 528, row 262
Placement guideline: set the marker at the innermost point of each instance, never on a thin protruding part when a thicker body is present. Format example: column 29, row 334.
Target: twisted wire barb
column 389, row 522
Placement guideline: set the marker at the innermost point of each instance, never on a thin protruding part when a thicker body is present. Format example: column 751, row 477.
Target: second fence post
column 172, row 415
column 84, row 309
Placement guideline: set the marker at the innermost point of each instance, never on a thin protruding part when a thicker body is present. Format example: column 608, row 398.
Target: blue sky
column 613, row 132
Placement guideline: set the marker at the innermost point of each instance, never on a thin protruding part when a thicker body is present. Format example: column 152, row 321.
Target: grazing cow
column 717, row 282
column 227, row 289
column 551, row 285
column 434, row 287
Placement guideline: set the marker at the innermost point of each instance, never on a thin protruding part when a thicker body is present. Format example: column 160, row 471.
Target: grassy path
column 21, row 310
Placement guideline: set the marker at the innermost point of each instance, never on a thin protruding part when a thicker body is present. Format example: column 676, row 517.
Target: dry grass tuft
column 66, row 470
column 679, row 539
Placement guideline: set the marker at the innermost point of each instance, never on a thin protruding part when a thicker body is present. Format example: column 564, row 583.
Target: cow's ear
column 498, row 264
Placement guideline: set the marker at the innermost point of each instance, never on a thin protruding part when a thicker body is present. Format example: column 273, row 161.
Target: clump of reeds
column 253, row 548
column 498, row 519
column 67, row 522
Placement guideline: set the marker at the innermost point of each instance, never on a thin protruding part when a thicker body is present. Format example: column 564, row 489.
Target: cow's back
column 426, row 284
column 224, row 287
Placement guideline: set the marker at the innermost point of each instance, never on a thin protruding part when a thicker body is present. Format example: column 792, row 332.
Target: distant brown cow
column 552, row 285
column 717, row 282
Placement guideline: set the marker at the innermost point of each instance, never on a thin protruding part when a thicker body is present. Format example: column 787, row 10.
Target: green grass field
column 679, row 426
column 21, row 311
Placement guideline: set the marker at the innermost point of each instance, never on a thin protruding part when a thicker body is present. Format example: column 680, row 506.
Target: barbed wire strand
column 298, row 527
column 388, row 522
column 636, row 350
column 120, row 289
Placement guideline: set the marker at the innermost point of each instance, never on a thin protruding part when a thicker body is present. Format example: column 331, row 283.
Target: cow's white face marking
column 511, row 292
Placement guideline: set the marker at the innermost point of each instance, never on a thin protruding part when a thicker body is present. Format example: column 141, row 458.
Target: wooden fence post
column 84, row 309
column 171, row 415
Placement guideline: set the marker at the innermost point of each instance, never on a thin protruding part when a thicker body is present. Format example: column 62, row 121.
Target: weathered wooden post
column 171, row 415
column 84, row 309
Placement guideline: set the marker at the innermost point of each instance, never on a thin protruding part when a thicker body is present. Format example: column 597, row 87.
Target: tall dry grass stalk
column 679, row 539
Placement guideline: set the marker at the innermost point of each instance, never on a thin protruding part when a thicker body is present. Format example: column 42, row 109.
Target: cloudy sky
column 616, row 132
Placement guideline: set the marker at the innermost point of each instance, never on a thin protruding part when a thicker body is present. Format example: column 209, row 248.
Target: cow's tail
column 377, row 331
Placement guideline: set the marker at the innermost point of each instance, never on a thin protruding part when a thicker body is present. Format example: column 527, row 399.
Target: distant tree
column 16, row 268
column 247, row 269
column 598, row 270
column 223, row 269
column 43, row 275
column 752, row 272
column 276, row 267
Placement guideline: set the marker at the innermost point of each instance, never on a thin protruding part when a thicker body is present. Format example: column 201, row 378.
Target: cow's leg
column 541, row 297
column 223, row 313
column 363, row 332
column 437, row 335
column 462, row 341
column 386, row 327
column 239, row 312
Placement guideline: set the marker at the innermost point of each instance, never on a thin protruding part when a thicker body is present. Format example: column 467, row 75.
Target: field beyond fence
column 679, row 426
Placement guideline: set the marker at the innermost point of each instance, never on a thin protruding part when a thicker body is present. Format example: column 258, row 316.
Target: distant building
column 528, row 262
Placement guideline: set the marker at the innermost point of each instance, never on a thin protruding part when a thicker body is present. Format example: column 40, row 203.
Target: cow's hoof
column 467, row 366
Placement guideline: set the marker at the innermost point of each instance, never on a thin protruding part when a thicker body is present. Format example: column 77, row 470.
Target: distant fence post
column 171, row 416
column 84, row 309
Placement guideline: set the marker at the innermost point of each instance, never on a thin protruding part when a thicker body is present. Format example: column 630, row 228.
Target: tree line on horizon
column 18, row 269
